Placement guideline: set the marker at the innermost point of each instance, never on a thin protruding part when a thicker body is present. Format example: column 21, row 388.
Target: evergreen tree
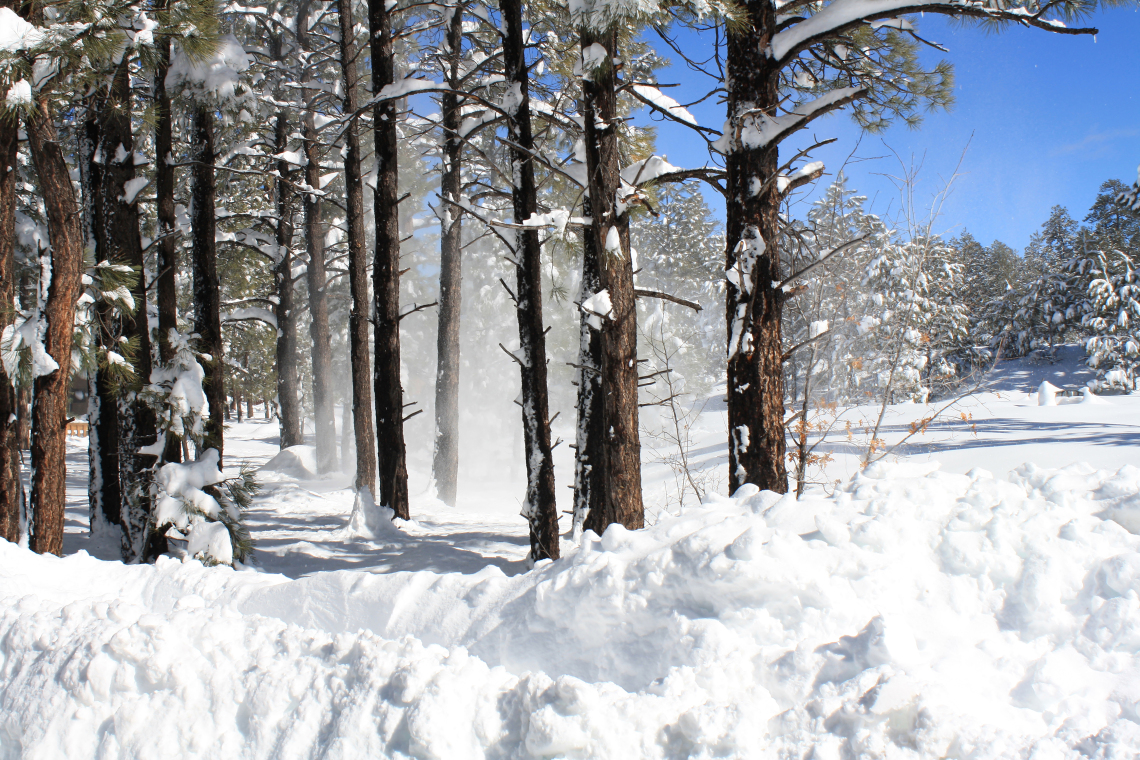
column 787, row 65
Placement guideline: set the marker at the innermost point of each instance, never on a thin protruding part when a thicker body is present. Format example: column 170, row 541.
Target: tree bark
column 540, row 506
column 122, row 243
column 357, row 266
column 589, row 455
column 390, row 451
column 621, row 440
column 288, row 380
column 10, row 485
column 166, row 279
column 324, row 415
column 23, row 393
column 756, row 439
column 103, row 488
column 445, row 463
column 207, row 289
column 50, row 390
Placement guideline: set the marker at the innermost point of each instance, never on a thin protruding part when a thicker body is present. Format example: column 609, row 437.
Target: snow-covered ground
column 950, row 601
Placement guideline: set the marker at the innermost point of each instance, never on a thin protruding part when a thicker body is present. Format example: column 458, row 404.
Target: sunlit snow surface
column 920, row 611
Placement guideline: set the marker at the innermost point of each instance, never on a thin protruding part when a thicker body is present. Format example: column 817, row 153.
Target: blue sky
column 1047, row 119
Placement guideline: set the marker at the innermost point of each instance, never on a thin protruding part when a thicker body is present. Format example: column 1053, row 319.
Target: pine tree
column 540, row 506
column 10, row 485
column 389, row 400
column 1113, row 349
column 787, row 65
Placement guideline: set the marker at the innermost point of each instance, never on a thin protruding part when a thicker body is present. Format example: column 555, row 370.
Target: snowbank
column 299, row 462
column 913, row 614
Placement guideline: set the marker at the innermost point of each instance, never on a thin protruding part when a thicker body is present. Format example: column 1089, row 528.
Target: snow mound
column 914, row 613
column 298, row 462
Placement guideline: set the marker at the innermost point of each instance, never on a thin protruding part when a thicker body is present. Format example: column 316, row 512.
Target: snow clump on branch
column 216, row 76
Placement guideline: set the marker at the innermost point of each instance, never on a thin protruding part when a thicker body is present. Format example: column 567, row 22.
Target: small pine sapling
column 196, row 499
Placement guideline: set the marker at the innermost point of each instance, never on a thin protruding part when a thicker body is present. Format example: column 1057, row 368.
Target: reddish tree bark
column 10, row 485
column 621, row 439
column 50, row 390
column 357, row 266
column 757, row 446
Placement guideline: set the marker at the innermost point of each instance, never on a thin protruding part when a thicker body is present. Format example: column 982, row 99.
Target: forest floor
column 950, row 601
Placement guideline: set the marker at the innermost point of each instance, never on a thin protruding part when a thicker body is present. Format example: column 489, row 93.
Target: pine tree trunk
column 166, row 279
column 540, row 506
column 589, row 455
column 621, row 440
column 288, row 381
column 120, row 230
column 756, row 438
column 103, row 488
column 445, row 463
column 10, row 485
column 362, row 429
column 23, row 393
column 207, row 289
column 324, row 416
column 390, row 452
column 50, row 390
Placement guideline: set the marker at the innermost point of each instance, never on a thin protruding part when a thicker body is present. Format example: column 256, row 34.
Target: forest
column 387, row 379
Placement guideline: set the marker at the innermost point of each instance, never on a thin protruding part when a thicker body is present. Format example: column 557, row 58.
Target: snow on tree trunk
column 390, row 451
column 50, row 387
column 122, row 243
column 610, row 229
column 207, row 289
column 288, row 380
column 10, row 486
column 540, row 506
column 362, row 430
column 756, row 445
column 445, row 462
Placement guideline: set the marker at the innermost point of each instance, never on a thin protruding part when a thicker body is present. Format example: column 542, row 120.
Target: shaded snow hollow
column 913, row 614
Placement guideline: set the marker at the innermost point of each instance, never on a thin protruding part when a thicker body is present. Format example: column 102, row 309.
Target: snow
column 251, row 313
column 613, row 240
column 664, row 103
column 20, row 93
column 642, row 172
column 298, row 462
column 405, row 87
column 761, row 130
column 593, row 56
column 557, row 218
column 927, row 608
column 598, row 307
column 291, row 157
column 131, row 189
column 216, row 75
column 17, row 34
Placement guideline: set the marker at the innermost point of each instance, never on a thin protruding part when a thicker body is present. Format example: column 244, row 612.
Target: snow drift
column 912, row 614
